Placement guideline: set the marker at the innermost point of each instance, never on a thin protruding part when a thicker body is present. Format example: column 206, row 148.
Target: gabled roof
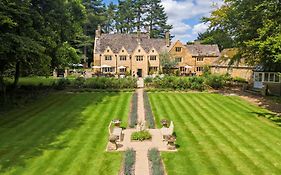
column 203, row 50
column 128, row 41
column 227, row 59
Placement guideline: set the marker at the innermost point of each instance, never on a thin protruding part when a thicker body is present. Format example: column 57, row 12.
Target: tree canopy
column 255, row 27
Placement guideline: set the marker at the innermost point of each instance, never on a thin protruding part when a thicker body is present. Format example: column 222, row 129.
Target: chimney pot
column 167, row 38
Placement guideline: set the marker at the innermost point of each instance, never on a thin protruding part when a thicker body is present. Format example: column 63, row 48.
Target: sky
column 185, row 16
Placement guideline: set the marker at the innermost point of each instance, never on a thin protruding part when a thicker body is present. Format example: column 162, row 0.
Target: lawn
column 63, row 133
column 218, row 135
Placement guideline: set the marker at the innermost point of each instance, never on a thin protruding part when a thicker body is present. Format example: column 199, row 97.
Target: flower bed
column 141, row 135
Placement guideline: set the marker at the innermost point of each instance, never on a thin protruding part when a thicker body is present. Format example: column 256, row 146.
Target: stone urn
column 171, row 142
column 116, row 122
column 164, row 122
column 113, row 142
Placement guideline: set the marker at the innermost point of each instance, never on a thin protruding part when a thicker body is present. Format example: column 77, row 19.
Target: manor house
column 138, row 54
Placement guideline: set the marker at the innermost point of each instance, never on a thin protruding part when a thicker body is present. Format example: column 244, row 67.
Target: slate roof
column 227, row 59
column 203, row 50
column 128, row 41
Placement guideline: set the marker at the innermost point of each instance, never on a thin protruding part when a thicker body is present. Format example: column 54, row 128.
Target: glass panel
column 260, row 77
column 271, row 77
column 256, row 77
column 265, row 76
column 277, row 78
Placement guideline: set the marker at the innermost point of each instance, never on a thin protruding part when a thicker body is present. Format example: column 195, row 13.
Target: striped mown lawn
column 62, row 134
column 218, row 135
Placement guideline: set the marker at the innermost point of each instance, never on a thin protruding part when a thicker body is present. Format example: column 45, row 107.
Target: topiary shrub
column 134, row 111
column 148, row 112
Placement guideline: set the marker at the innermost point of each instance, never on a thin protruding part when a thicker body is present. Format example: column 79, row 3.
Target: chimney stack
column 98, row 32
column 167, row 38
column 139, row 36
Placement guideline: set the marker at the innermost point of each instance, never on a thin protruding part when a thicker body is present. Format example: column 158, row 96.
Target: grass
column 35, row 81
column 218, row 135
column 65, row 133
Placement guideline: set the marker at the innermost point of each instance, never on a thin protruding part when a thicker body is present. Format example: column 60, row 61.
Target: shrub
column 130, row 158
column 155, row 160
column 134, row 111
column 61, row 83
column 79, row 82
column 141, row 135
column 111, row 83
column 215, row 81
column 239, row 80
column 148, row 112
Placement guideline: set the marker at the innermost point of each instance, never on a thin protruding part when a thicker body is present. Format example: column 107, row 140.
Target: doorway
column 139, row 73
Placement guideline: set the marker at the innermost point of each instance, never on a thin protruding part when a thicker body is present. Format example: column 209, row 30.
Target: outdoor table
column 117, row 132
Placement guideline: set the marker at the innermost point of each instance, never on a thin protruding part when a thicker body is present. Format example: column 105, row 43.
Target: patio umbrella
column 121, row 67
column 96, row 67
column 188, row 67
column 104, row 66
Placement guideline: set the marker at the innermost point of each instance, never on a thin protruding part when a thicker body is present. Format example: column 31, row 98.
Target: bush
column 239, row 80
column 215, row 81
column 111, row 83
column 134, row 111
column 141, row 135
column 130, row 158
column 61, row 83
column 148, row 112
column 79, row 82
column 155, row 160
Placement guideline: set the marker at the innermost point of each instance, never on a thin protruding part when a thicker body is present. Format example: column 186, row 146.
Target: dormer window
column 200, row 58
column 178, row 49
column 108, row 57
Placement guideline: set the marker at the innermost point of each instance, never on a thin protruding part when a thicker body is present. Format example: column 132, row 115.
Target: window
column 153, row 57
column 108, row 57
column 122, row 70
column 258, row 77
column 139, row 50
column 200, row 58
column 265, row 76
column 182, row 69
column 199, row 69
column 152, row 51
column 108, row 69
column 152, row 70
column 107, row 50
column 277, row 78
column 178, row 49
column 139, row 58
column 122, row 50
column 123, row 58
column 178, row 60
column 271, row 77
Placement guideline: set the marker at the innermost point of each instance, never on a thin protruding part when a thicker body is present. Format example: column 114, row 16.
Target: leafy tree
column 168, row 62
column 255, row 26
column 216, row 36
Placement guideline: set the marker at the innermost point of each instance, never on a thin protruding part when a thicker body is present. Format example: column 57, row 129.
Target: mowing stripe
column 229, row 128
column 220, row 156
column 199, row 124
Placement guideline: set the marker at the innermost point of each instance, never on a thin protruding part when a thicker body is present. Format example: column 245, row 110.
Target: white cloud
column 180, row 11
column 200, row 28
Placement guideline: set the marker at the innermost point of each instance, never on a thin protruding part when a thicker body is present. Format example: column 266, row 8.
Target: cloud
column 200, row 28
column 181, row 11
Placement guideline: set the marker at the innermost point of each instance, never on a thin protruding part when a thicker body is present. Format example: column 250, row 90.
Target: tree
column 125, row 16
column 168, row 62
column 110, row 16
column 254, row 25
column 156, row 19
column 216, row 36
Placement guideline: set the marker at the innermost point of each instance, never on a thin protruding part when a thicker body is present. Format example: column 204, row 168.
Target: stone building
column 139, row 55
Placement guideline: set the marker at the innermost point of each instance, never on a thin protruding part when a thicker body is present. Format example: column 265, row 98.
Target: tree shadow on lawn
column 275, row 118
column 18, row 149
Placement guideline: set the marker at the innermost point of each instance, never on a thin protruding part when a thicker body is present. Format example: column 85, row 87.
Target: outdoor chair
column 115, row 131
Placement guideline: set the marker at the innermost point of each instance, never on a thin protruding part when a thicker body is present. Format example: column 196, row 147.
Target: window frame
column 178, row 49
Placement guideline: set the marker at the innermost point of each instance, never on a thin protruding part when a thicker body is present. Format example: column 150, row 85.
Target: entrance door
column 139, row 73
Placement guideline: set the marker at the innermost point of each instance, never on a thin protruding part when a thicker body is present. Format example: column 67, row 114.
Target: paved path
column 140, row 83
